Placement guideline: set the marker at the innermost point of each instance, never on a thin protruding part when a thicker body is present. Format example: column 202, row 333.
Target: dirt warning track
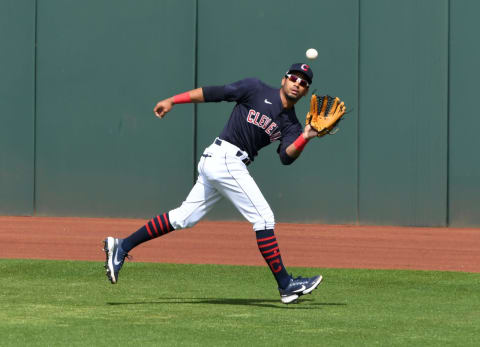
column 312, row 245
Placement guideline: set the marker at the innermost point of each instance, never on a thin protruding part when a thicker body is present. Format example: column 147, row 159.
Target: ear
column 305, row 91
column 283, row 81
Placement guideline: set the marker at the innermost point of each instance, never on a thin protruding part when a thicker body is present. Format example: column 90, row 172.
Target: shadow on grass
column 303, row 304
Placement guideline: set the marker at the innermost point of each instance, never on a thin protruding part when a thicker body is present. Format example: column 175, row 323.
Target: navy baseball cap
column 303, row 68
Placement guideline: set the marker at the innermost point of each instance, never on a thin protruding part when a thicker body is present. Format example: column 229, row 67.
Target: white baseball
column 311, row 53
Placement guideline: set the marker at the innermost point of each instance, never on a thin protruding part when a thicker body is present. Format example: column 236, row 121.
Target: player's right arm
column 164, row 106
column 236, row 91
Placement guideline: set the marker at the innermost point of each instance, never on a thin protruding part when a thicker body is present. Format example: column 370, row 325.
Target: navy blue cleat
column 115, row 257
column 297, row 287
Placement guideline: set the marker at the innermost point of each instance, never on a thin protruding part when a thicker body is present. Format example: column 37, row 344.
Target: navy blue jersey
column 258, row 118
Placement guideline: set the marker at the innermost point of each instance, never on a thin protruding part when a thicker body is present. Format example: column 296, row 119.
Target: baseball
column 311, row 53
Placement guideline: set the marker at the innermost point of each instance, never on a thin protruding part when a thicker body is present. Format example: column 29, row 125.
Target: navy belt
column 246, row 161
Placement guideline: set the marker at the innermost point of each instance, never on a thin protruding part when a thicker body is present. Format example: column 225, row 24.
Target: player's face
column 294, row 90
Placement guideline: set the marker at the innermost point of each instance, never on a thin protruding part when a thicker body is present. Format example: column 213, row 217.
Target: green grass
column 60, row 303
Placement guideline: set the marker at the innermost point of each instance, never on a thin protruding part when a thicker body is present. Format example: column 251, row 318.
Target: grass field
column 60, row 303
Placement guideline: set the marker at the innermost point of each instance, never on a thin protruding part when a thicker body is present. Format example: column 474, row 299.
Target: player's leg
column 243, row 192
column 199, row 201
column 240, row 188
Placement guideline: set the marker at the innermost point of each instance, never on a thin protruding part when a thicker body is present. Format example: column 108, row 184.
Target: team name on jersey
column 264, row 122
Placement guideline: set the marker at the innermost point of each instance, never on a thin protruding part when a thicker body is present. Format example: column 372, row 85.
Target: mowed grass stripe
column 60, row 303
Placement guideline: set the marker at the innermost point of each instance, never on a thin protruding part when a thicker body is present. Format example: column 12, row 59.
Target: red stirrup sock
column 157, row 226
column 268, row 246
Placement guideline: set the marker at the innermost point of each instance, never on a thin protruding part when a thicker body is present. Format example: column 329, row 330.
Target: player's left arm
column 295, row 148
column 295, row 143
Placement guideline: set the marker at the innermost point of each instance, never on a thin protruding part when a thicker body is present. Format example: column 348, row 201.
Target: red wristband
column 183, row 98
column 300, row 143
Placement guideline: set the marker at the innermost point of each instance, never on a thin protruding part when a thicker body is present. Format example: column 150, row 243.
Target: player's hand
column 163, row 107
column 309, row 132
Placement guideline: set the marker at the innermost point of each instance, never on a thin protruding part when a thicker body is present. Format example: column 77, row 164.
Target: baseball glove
column 325, row 113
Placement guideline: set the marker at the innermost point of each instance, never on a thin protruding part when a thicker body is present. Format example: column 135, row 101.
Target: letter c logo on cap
column 305, row 67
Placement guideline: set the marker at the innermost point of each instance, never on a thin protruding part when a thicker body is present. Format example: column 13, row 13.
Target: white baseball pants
column 222, row 173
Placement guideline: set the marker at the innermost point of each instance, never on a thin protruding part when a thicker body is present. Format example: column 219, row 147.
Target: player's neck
column 286, row 102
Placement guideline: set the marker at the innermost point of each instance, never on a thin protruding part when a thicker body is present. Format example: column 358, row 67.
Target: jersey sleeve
column 238, row 91
column 288, row 137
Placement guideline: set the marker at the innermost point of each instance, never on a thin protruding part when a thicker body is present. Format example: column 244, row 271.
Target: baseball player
column 261, row 115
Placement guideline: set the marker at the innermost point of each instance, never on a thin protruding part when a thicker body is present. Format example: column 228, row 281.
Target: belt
column 246, row 161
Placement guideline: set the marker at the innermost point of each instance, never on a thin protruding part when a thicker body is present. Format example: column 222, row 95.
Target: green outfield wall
column 79, row 80
column 403, row 117
column 17, row 106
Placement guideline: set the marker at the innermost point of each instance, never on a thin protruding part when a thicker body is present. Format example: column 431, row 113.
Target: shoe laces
column 296, row 278
column 127, row 256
